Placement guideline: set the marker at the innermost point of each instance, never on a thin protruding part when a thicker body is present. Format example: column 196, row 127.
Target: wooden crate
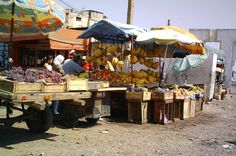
column 54, row 87
column 162, row 96
column 163, row 111
column 198, row 106
column 178, row 97
column 188, row 109
column 19, row 87
column 94, row 85
column 77, row 84
column 138, row 96
column 138, row 112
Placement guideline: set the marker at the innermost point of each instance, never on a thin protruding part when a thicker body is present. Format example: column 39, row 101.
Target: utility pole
column 130, row 11
column 168, row 22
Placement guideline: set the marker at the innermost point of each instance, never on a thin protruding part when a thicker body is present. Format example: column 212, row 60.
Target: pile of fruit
column 80, row 75
column 186, row 92
column 139, row 77
column 196, row 90
column 105, row 75
column 33, row 75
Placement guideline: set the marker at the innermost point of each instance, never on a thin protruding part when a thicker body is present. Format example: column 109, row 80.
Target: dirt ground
column 213, row 132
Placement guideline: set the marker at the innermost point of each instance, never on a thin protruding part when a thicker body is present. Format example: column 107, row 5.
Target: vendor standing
column 47, row 64
column 74, row 65
column 58, row 63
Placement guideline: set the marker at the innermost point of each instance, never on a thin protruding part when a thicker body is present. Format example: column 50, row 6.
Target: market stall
column 158, row 44
column 112, row 50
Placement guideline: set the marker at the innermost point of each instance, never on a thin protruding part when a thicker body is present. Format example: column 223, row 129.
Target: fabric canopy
column 169, row 35
column 67, row 39
column 189, row 62
column 111, row 32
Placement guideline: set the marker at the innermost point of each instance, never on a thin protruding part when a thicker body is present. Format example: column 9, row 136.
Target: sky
column 214, row 14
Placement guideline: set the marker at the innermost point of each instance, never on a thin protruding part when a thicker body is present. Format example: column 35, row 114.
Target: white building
column 83, row 19
column 226, row 39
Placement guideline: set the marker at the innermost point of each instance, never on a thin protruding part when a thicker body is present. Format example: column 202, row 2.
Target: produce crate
column 54, row 87
column 138, row 112
column 163, row 111
column 19, row 87
column 25, row 87
column 162, row 96
column 178, row 96
column 94, row 85
column 77, row 84
column 138, row 96
column 198, row 106
column 185, row 108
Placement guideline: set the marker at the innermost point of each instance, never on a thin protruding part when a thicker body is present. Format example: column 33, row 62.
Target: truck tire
column 92, row 120
column 40, row 121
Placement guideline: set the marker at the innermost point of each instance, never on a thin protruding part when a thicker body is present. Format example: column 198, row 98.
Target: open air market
column 81, row 83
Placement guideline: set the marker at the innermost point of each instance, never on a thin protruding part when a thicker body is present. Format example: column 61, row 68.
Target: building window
column 78, row 18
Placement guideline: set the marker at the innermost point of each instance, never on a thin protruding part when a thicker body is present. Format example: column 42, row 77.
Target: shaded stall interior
column 28, row 51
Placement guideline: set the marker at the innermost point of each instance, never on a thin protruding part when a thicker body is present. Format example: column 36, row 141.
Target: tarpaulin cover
column 111, row 32
column 189, row 62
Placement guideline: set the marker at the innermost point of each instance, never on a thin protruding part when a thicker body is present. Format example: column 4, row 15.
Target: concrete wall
column 227, row 37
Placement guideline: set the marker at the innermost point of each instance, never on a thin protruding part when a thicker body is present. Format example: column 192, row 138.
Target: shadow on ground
column 11, row 136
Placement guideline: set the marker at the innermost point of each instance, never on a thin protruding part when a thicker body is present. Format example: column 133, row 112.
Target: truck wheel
column 40, row 121
column 92, row 120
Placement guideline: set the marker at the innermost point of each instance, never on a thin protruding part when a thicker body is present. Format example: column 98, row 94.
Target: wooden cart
column 33, row 100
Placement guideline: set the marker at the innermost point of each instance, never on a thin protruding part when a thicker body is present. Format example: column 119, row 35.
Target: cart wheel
column 40, row 121
column 92, row 120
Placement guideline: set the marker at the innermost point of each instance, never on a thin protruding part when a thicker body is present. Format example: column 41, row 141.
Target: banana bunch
column 115, row 62
column 196, row 89
column 151, row 64
column 132, row 59
column 112, row 50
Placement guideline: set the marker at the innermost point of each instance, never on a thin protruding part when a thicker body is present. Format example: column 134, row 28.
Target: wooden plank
column 54, row 88
column 138, row 96
column 162, row 96
column 112, row 89
column 198, row 106
column 24, row 97
column 137, row 112
column 178, row 96
column 192, row 107
column 188, row 109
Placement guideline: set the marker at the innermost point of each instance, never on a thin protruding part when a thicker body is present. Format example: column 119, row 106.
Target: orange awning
column 68, row 39
column 63, row 39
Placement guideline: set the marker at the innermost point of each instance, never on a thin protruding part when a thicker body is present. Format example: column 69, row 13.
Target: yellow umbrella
column 183, row 38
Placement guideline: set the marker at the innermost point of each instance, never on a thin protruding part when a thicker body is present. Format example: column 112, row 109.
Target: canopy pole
column 10, row 46
column 90, row 52
column 162, row 67
column 131, row 56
